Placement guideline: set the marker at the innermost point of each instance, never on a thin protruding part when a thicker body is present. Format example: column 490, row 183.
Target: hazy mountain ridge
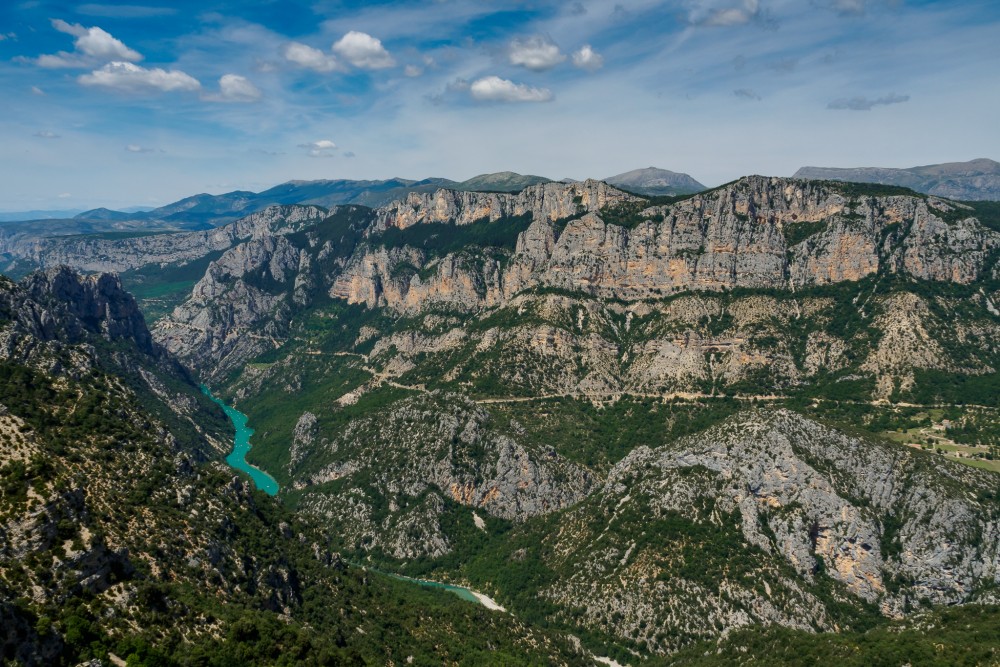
column 974, row 180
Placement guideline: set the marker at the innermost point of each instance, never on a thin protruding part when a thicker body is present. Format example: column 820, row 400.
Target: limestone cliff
column 547, row 201
column 756, row 233
column 891, row 526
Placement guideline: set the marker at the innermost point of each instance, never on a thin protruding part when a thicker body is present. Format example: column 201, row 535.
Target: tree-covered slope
column 122, row 533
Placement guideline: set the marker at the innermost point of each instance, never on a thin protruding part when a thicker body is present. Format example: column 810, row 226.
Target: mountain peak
column 503, row 181
column 654, row 181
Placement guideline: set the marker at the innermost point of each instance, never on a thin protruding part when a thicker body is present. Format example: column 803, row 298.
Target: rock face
column 424, row 450
column 758, row 233
column 548, row 201
column 60, row 304
column 973, row 180
column 652, row 181
column 63, row 324
column 892, row 526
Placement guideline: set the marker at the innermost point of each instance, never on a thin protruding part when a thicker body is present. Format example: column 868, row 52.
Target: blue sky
column 120, row 104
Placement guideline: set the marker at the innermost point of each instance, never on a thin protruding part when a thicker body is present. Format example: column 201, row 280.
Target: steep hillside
column 123, row 536
column 765, row 519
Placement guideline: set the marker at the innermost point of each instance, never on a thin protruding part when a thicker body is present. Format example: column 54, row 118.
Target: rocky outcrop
column 60, row 306
column 548, row 201
column 427, row 447
column 65, row 325
column 757, row 233
column 893, row 526
column 241, row 306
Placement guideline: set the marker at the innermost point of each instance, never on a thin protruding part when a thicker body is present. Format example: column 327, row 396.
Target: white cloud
column 58, row 61
column 64, row 195
column 46, row 134
column 136, row 148
column 35, row 90
column 94, row 42
column 320, row 148
column 128, row 76
column 865, row 104
column 534, row 53
column 495, row 89
column 587, row 58
column 740, row 13
column 306, row 56
column 362, row 50
column 7, row 35
column 412, row 71
column 236, row 88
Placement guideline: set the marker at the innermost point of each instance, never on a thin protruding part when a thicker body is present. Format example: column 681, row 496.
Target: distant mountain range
column 204, row 211
column 12, row 216
column 976, row 180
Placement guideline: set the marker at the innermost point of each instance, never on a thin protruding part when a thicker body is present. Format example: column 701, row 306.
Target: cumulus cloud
column 364, row 51
column 92, row 45
column 535, row 53
column 866, row 104
column 587, row 58
column 306, row 56
column 495, row 89
column 236, row 88
column 136, row 148
column 129, row 76
column 747, row 94
column 46, row 134
column 320, row 148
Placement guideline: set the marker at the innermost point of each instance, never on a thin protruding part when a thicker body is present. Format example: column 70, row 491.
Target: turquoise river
column 241, row 445
column 238, row 459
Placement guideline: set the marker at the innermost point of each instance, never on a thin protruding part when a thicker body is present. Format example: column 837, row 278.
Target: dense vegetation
column 959, row 636
column 438, row 239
